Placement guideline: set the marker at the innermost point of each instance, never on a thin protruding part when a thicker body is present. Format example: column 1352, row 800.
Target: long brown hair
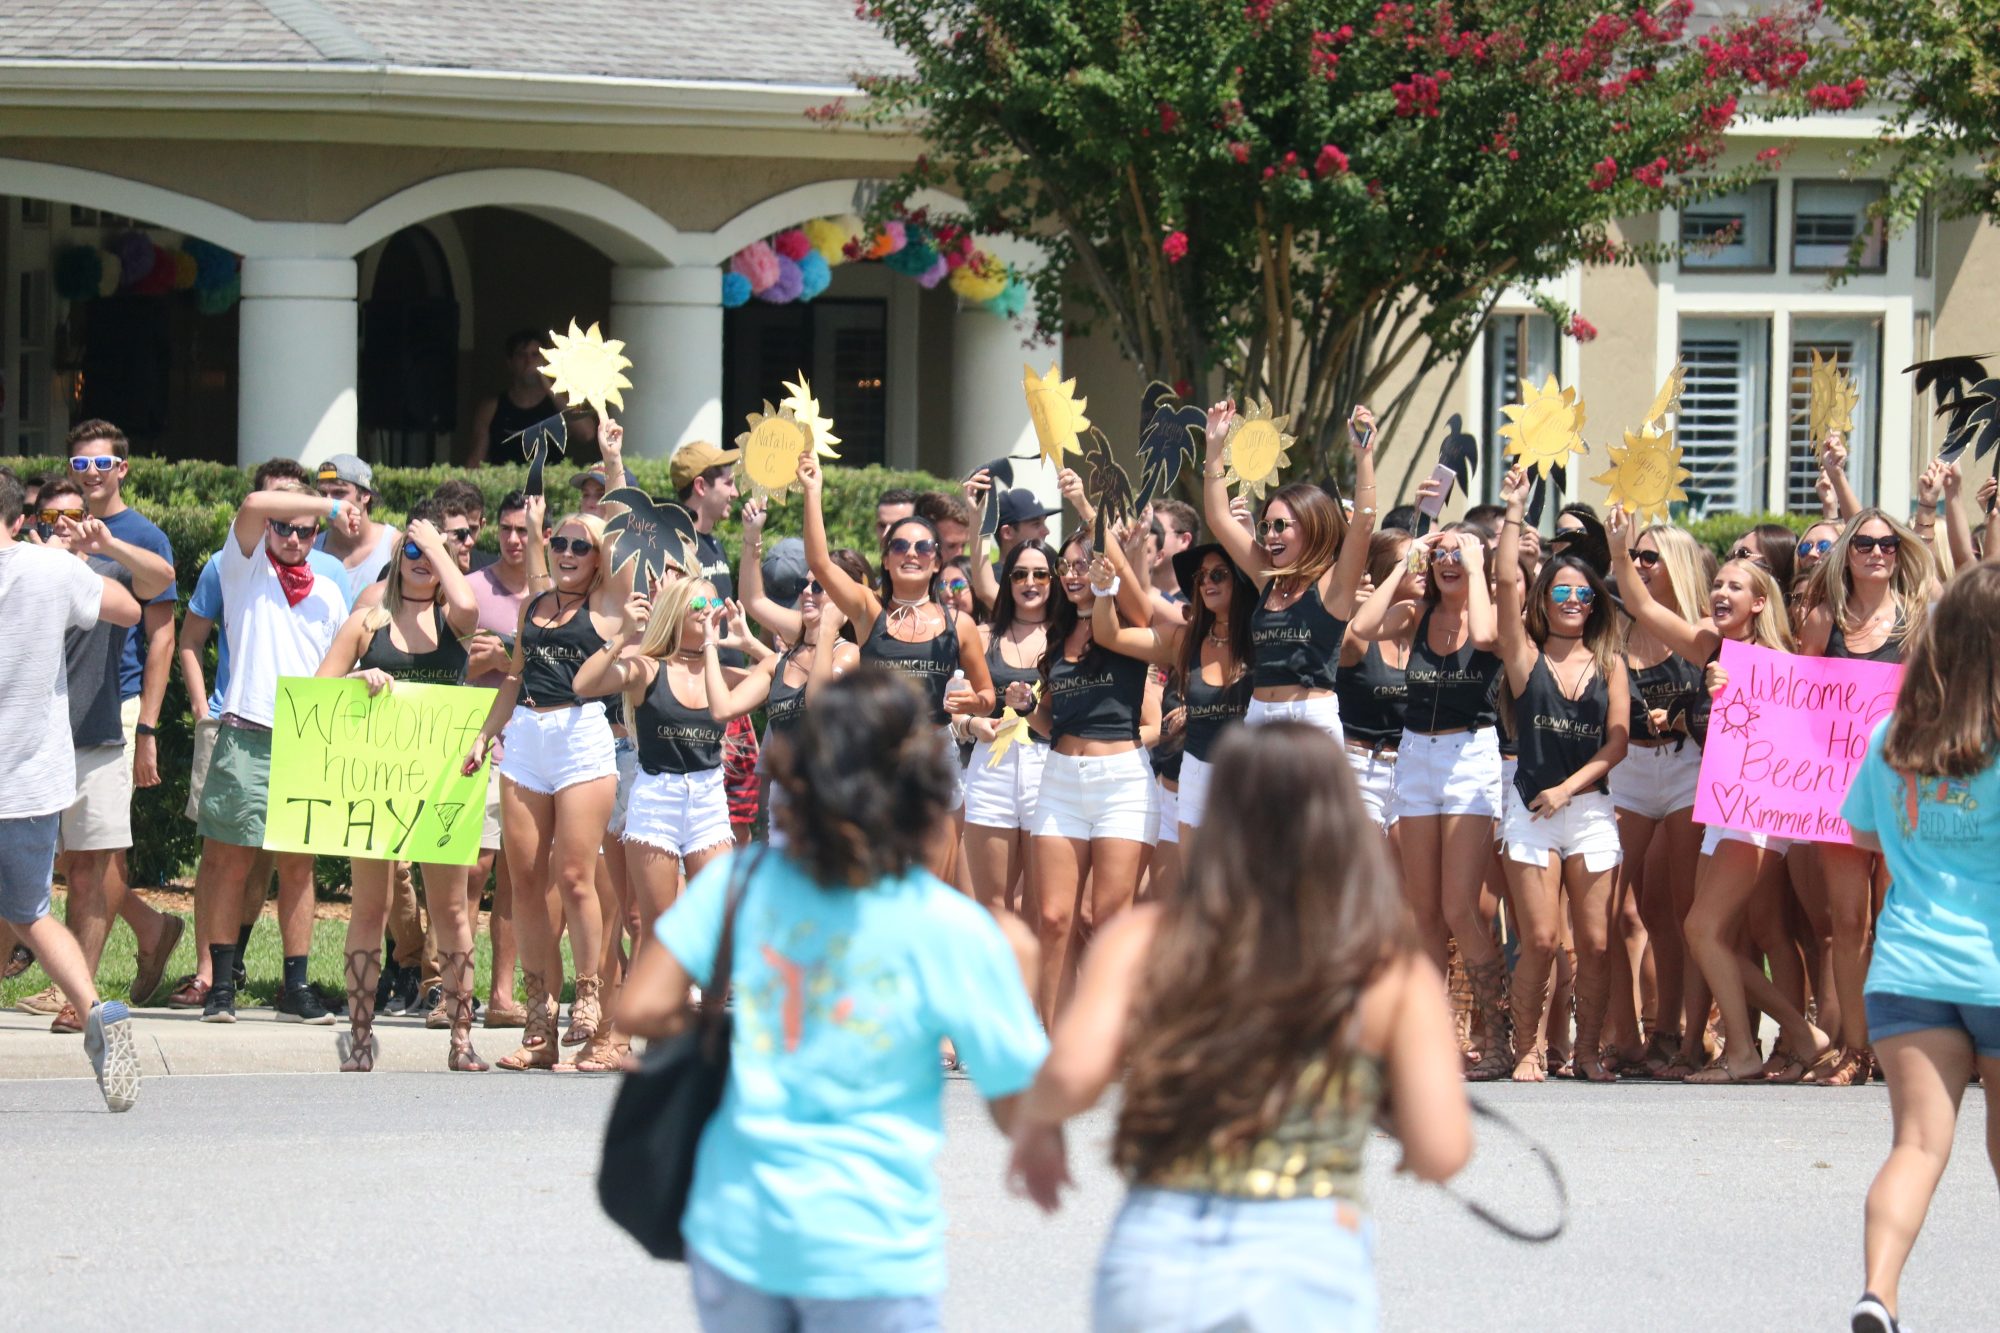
column 1912, row 583
column 1947, row 718
column 1322, row 527
column 1287, row 910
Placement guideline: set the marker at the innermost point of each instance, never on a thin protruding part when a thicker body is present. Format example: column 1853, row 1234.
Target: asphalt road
column 445, row 1202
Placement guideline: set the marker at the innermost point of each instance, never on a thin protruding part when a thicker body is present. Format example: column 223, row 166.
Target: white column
column 671, row 322
column 989, row 412
column 297, row 360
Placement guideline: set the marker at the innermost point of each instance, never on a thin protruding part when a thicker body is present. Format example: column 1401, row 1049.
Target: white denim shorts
column 1192, row 799
column 546, row 752
column 1003, row 796
column 1586, row 827
column 1322, row 711
column 1454, row 773
column 1167, row 818
column 1375, row 773
column 679, row 813
column 628, row 772
column 1655, row 781
column 1104, row 796
column 1713, row 836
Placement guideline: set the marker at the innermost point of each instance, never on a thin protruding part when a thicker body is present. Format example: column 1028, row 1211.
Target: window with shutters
column 1724, row 412
column 1855, row 344
column 1504, row 373
column 1732, row 232
column 1827, row 216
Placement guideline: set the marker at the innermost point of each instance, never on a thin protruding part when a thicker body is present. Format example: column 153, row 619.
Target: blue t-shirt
column 1939, row 934
column 206, row 602
column 814, row 1178
column 129, row 525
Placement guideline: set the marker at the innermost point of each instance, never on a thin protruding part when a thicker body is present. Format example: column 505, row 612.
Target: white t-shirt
column 268, row 636
column 43, row 594
column 369, row 571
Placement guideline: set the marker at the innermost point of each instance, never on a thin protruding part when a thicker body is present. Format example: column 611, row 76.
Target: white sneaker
column 1871, row 1316
column 107, row 1040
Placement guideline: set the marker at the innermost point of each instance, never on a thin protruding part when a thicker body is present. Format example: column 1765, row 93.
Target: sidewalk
column 172, row 1042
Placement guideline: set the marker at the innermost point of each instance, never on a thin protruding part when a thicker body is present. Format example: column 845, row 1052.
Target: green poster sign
column 379, row 778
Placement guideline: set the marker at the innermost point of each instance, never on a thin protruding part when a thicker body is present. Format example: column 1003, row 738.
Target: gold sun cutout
column 1056, row 411
column 584, row 367
column 1834, row 398
column 1545, row 428
column 805, row 408
column 1668, row 399
column 1257, row 449
column 1011, row 730
column 1646, row 474
column 771, row 449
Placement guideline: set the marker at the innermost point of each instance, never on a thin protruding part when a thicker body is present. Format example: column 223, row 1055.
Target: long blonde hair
column 391, row 604
column 1689, row 568
column 1772, row 627
column 593, row 525
column 668, row 625
column 1913, row 584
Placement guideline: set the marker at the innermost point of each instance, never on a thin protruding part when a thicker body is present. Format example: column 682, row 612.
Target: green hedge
column 194, row 502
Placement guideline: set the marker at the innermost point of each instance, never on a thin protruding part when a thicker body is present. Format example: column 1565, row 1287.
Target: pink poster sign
column 1785, row 738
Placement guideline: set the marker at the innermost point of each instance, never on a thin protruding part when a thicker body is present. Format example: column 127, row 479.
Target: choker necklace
column 1219, row 640
column 905, row 608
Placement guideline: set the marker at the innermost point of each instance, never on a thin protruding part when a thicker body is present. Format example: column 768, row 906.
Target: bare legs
column 554, row 882
column 1722, row 899
column 1061, row 868
column 999, row 861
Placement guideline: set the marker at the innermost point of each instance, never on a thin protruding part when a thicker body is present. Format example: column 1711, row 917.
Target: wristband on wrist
column 144, row 729
column 333, row 514
column 1112, row 591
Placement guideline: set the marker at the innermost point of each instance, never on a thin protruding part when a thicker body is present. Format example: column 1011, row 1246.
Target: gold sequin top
column 1314, row 1152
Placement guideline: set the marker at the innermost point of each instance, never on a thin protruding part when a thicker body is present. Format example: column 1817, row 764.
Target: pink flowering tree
column 1311, row 200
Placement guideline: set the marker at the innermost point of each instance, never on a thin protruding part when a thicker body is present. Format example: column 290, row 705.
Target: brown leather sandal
column 586, row 1011
column 538, row 1038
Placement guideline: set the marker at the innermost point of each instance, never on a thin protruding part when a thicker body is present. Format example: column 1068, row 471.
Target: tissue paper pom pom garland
column 796, row 264
column 735, row 290
column 792, row 244
column 78, row 270
column 758, row 262
column 788, row 285
column 814, row 275
column 828, row 239
column 133, row 263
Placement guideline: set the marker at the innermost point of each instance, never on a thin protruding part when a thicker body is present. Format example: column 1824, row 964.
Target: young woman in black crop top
column 1000, row 792
column 1373, row 689
column 1570, row 701
column 1307, row 559
column 1095, row 810
column 905, row 627
column 412, row 637
column 1745, row 603
column 559, row 776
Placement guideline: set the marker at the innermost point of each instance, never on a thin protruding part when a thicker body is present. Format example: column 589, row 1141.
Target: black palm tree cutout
column 1000, row 479
column 1949, row 376
column 1170, row 437
column 1460, row 452
column 1975, row 422
column 537, row 441
column 1107, row 484
column 657, row 535
column 1538, row 496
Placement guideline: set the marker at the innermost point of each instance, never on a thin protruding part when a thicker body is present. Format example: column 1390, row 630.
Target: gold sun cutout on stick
column 1646, row 474
column 1056, row 411
column 1834, row 398
column 1667, row 400
column 585, row 367
column 1257, row 450
column 1545, row 428
column 805, row 409
column 771, row 449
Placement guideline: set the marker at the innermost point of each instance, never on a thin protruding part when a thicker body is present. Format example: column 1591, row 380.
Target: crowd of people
column 1309, row 763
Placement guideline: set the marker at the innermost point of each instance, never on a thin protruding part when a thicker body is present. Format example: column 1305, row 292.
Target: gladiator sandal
column 358, row 1046
column 460, row 1058
column 538, row 1037
column 1594, row 1063
column 586, row 1011
column 1564, row 1042
column 1459, row 989
column 1490, row 1043
column 1530, row 1006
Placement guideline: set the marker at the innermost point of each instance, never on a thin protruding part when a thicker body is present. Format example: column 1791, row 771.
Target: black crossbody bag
column 664, row 1105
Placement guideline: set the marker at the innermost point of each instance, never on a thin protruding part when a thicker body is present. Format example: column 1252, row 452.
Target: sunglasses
column 704, row 603
column 1214, row 576
column 51, row 515
column 576, row 546
column 956, row 586
column 1888, row 545
column 812, row 586
column 462, row 535
column 1820, row 547
column 1745, row 553
column 1569, row 592
column 1646, row 559
column 300, row 530
column 97, row 462
column 1569, row 535
column 1029, row 576
column 1274, row 527
column 903, row 546
column 1080, row 568
column 1451, row 557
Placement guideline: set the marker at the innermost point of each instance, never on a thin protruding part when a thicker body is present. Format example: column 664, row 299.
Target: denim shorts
column 1188, row 1263
column 728, row 1306
column 27, row 860
column 1900, row 1015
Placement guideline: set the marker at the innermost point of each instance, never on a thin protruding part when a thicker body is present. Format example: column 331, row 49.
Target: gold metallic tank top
column 1314, row 1151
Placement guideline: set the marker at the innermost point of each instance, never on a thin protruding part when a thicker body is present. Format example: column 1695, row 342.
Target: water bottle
column 957, row 683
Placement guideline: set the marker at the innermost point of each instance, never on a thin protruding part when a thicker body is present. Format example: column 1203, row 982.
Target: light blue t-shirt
column 1939, row 934
column 815, row 1177
column 206, row 602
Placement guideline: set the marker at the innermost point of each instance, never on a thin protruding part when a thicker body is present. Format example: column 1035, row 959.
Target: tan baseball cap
column 696, row 457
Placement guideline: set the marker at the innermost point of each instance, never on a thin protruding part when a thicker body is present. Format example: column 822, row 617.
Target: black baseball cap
column 1022, row 505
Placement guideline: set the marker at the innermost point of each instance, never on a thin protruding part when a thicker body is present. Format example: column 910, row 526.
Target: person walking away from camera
column 1265, row 1019
column 814, row 1201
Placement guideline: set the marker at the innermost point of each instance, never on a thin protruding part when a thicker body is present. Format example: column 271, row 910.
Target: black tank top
column 1558, row 735
column 511, row 420
column 1097, row 697
column 1210, row 708
column 1005, row 673
column 1299, row 645
column 674, row 738
column 1372, row 695
column 929, row 663
column 1890, row 651
column 1167, row 754
column 1668, row 686
column 1448, row 691
column 442, row 665
column 551, row 655
column 785, row 707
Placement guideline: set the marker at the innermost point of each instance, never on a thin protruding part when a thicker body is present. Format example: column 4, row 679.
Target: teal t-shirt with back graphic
column 814, row 1179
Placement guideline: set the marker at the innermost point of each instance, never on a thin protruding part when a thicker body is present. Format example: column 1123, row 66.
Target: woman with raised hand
column 415, row 636
column 1870, row 597
column 1000, row 793
column 1747, row 605
column 1567, row 691
column 1448, row 774
column 558, row 776
column 1927, row 798
column 1265, row 1020
column 1307, row 560
column 1372, row 688
column 1653, row 790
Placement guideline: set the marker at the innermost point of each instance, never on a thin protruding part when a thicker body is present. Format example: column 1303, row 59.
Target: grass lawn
column 264, row 962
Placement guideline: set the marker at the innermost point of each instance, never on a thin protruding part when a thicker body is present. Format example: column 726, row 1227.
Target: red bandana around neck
column 297, row 580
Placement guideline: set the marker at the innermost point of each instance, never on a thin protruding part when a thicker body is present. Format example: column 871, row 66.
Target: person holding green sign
column 414, row 635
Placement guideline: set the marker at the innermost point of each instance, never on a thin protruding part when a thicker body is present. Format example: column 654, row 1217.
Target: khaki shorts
column 236, row 788
column 204, row 746
column 101, row 818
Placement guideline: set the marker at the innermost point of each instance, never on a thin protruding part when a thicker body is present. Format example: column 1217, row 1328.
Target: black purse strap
column 714, row 1017
column 1541, row 1154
